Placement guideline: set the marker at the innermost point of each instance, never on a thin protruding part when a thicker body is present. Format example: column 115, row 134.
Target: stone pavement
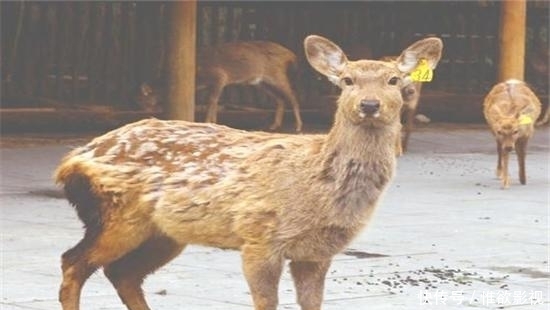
column 445, row 236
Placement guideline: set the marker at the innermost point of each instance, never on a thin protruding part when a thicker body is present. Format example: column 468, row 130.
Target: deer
column 511, row 109
column 262, row 63
column 411, row 96
column 147, row 189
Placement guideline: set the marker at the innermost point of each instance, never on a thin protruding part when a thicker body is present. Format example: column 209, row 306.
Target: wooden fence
column 98, row 52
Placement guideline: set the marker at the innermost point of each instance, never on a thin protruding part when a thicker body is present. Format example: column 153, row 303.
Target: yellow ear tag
column 422, row 72
column 525, row 120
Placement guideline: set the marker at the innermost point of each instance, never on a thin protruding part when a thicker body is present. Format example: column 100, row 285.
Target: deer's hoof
column 505, row 182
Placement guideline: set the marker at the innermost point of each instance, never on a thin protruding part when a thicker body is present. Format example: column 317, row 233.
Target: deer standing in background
column 146, row 190
column 411, row 95
column 263, row 63
column 511, row 109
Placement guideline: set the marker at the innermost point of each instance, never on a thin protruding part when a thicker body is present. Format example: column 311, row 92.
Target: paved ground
column 445, row 237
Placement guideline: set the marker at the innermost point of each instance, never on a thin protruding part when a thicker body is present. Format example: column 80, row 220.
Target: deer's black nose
column 369, row 106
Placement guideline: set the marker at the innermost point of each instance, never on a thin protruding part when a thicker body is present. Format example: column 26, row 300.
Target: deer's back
column 243, row 61
column 510, row 99
column 151, row 156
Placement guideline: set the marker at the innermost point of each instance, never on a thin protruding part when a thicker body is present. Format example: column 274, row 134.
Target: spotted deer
column 511, row 108
column 263, row 63
column 148, row 189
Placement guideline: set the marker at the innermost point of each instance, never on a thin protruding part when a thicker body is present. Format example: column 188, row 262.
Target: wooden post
column 181, row 90
column 512, row 39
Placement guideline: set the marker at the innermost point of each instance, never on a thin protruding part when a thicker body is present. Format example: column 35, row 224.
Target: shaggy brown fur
column 146, row 190
column 263, row 63
column 511, row 109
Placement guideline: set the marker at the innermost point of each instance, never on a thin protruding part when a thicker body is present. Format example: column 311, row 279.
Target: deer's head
column 371, row 89
column 507, row 131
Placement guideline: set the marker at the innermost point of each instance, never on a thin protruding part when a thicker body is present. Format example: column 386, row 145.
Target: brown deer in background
column 511, row 109
column 146, row 190
column 411, row 95
column 263, row 63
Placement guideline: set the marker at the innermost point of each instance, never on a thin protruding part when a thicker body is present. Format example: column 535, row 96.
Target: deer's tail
column 81, row 193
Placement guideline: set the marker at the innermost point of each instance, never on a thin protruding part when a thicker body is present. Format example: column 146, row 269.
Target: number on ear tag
column 422, row 72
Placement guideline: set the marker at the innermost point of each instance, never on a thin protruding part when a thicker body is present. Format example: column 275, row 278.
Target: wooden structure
column 512, row 39
column 82, row 54
column 183, row 30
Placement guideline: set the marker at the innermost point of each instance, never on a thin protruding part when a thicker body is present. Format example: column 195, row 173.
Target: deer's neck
column 358, row 163
column 361, row 143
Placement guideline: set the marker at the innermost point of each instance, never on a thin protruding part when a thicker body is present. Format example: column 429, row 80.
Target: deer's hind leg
column 502, row 169
column 521, row 150
column 96, row 249
column 409, row 127
column 128, row 272
column 282, row 91
column 76, row 270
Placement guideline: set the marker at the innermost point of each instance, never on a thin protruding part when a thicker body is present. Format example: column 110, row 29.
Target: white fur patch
column 514, row 81
column 408, row 62
column 145, row 148
column 334, row 79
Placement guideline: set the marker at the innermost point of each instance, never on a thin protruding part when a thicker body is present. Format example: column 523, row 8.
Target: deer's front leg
column 398, row 143
column 309, row 280
column 499, row 160
column 505, row 177
column 263, row 272
column 279, row 114
column 521, row 150
column 409, row 125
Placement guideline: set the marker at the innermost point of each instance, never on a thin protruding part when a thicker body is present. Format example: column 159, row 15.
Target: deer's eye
column 347, row 80
column 515, row 132
column 499, row 132
column 393, row 80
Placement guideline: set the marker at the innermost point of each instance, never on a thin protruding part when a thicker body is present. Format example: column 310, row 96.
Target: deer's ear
column 325, row 56
column 429, row 49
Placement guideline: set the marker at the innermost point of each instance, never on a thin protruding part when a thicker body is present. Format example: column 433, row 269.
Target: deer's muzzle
column 508, row 148
column 369, row 107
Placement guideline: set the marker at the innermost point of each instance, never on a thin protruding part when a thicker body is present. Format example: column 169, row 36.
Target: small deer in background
column 411, row 95
column 146, row 190
column 263, row 63
column 511, row 109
